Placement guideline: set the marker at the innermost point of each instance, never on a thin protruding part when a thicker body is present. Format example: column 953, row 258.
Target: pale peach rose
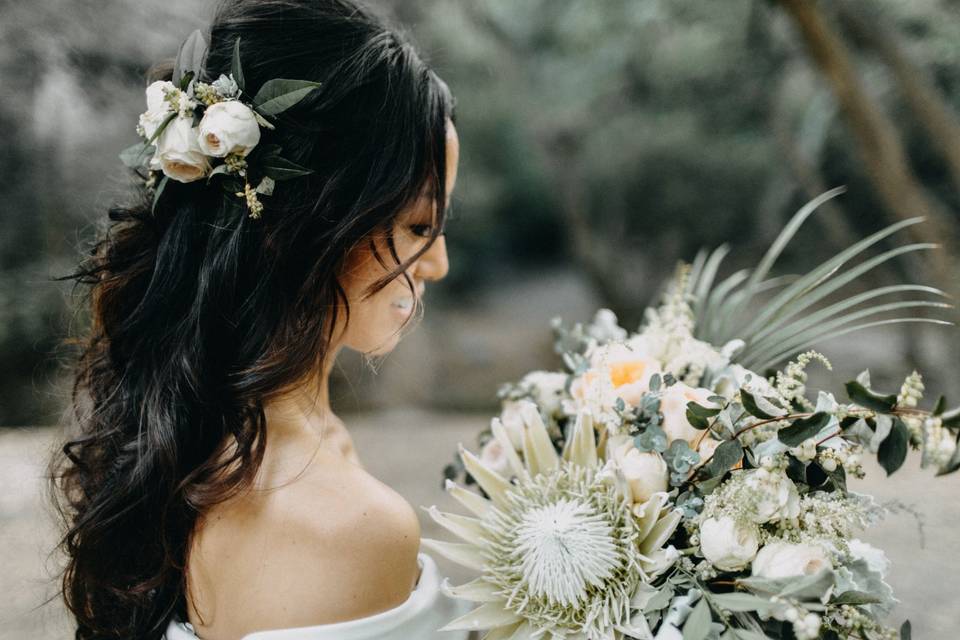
column 673, row 406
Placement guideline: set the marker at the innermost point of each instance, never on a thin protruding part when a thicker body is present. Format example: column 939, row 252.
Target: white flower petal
column 500, row 433
column 466, row 555
column 582, row 447
column 490, row 481
column 538, row 450
column 478, row 590
column 486, row 616
column 476, row 504
column 466, row 528
column 661, row 532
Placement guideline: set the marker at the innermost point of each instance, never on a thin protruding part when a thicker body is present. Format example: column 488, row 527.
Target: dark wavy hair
column 200, row 314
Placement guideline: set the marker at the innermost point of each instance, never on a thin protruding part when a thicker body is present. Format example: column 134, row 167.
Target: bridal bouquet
column 670, row 484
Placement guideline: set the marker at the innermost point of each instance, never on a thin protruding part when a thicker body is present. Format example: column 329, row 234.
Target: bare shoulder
column 334, row 545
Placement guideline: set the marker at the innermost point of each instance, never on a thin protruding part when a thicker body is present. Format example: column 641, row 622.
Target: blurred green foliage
column 615, row 136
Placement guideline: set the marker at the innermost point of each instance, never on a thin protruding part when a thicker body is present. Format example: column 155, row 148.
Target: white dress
column 419, row 617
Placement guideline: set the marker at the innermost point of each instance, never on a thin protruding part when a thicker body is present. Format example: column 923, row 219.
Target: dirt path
column 407, row 450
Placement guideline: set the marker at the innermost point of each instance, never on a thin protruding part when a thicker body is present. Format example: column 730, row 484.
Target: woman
column 211, row 492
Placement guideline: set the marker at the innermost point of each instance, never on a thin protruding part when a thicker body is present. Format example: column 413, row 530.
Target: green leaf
column 941, row 405
column 951, row 418
column 697, row 626
column 279, row 94
column 854, row 597
column 282, row 169
column 905, row 630
column 236, row 70
column 185, row 80
column 134, row 156
column 803, row 428
column 750, row 404
column 725, row 457
column 699, row 416
column 737, row 602
column 158, row 191
column 163, row 125
column 870, row 399
column 190, row 57
column 893, row 449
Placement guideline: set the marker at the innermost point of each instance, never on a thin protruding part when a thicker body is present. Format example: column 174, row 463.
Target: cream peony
column 783, row 560
column 727, row 545
column 178, row 153
column 228, row 127
column 628, row 370
column 645, row 471
column 673, row 406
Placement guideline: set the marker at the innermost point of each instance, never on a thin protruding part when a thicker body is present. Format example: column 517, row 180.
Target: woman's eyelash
column 422, row 230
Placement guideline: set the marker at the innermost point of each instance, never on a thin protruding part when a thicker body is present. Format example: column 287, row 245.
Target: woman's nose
column 434, row 265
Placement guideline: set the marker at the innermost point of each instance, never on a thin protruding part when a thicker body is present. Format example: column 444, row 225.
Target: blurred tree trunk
column 916, row 87
column 880, row 147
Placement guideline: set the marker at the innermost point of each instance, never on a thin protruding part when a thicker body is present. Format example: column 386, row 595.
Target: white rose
column 727, row 545
column 494, row 457
column 228, row 127
column 644, row 471
column 673, row 406
column 157, row 96
column 783, row 560
column 549, row 387
column 157, row 108
column 179, row 155
column 776, row 497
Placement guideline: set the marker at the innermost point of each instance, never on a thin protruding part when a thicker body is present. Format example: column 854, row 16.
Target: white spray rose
column 228, row 127
column 512, row 421
column 494, row 457
column 783, row 560
column 548, row 388
column 645, row 471
column 775, row 496
column 727, row 545
column 178, row 154
column 673, row 405
column 157, row 107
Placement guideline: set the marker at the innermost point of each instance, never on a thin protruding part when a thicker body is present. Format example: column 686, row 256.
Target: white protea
column 561, row 550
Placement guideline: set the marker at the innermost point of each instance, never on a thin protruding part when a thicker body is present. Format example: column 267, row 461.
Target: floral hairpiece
column 193, row 130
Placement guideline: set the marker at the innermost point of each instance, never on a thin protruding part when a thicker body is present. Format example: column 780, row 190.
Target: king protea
column 561, row 547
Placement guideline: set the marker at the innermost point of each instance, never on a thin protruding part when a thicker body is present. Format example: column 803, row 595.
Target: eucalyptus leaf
column 870, row 399
column 803, row 428
column 279, row 94
column 854, row 597
column 134, row 156
column 751, row 406
column 725, row 457
column 698, row 623
column 893, row 450
column 741, row 602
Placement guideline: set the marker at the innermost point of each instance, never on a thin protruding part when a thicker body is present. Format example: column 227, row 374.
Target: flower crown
column 193, row 130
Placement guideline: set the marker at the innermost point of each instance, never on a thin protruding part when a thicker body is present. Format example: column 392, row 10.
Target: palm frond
column 776, row 329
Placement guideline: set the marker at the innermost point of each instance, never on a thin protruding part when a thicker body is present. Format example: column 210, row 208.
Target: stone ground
column 407, row 449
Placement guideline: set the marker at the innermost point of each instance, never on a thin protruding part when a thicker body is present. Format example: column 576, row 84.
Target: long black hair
column 200, row 314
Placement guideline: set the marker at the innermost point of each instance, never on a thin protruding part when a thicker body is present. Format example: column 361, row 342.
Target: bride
column 208, row 490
